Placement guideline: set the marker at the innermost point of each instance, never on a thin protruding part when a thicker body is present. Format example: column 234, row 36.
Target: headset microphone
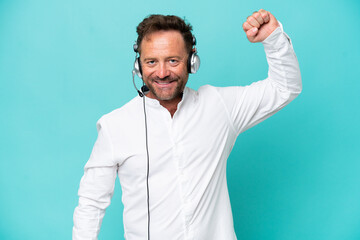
column 144, row 89
column 137, row 70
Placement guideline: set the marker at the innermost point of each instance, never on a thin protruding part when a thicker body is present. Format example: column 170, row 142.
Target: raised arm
column 252, row 104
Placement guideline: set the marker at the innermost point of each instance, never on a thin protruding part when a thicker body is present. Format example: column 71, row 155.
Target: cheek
column 181, row 71
column 148, row 76
column 146, row 72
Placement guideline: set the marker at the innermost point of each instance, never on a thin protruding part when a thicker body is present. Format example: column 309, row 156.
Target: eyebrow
column 146, row 59
column 152, row 58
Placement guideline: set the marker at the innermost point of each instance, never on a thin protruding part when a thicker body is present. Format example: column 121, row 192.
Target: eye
column 173, row 61
column 150, row 62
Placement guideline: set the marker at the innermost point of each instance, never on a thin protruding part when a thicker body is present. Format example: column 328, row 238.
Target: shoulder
column 213, row 89
column 123, row 114
column 207, row 90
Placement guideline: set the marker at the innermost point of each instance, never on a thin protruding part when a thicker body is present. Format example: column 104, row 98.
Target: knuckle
column 244, row 26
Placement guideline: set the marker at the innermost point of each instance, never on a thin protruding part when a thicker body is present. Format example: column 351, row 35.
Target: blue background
column 63, row 64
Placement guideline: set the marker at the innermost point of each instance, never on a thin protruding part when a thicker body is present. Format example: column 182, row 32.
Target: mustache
column 165, row 79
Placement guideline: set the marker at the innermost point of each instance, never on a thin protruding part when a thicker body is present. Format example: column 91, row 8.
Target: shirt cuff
column 276, row 39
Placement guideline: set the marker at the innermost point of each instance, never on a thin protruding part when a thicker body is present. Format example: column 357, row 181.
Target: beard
column 166, row 94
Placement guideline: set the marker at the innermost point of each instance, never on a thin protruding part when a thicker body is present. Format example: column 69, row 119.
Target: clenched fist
column 260, row 25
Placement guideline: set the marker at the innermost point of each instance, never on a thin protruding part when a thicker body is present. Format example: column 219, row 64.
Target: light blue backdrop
column 65, row 63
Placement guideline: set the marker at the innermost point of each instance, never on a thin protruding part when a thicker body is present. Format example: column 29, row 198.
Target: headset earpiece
column 137, row 71
column 193, row 60
column 137, row 64
column 137, row 67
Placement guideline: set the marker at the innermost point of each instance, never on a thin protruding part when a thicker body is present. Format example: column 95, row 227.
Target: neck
column 170, row 105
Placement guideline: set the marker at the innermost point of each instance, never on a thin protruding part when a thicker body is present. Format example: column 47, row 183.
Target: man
column 186, row 135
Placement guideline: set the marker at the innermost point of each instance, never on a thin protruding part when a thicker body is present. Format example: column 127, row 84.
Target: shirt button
column 182, row 175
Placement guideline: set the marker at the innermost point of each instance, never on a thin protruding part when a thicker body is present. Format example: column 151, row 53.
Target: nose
column 162, row 71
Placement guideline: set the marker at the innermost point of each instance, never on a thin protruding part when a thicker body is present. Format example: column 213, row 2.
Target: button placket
column 182, row 175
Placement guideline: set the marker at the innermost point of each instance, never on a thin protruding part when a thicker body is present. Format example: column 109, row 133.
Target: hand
column 260, row 25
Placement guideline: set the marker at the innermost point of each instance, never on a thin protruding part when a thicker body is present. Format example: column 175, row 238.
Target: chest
column 191, row 137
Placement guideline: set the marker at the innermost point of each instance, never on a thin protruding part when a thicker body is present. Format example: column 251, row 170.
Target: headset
column 193, row 65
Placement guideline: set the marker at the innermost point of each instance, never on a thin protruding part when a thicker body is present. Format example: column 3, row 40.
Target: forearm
column 87, row 222
column 284, row 71
column 95, row 193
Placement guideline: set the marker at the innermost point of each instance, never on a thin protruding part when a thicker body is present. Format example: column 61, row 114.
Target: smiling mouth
column 164, row 84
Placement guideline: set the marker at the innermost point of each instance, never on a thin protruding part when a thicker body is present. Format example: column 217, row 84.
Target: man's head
column 164, row 45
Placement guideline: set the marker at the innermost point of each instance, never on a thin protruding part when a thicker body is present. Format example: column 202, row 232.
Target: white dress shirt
column 188, row 153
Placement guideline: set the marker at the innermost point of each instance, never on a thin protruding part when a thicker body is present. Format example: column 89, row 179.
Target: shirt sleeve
column 249, row 105
column 96, row 187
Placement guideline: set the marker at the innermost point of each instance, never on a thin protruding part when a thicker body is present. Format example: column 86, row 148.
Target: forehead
column 163, row 42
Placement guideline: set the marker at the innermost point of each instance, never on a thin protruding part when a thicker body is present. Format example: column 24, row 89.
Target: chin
column 166, row 97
